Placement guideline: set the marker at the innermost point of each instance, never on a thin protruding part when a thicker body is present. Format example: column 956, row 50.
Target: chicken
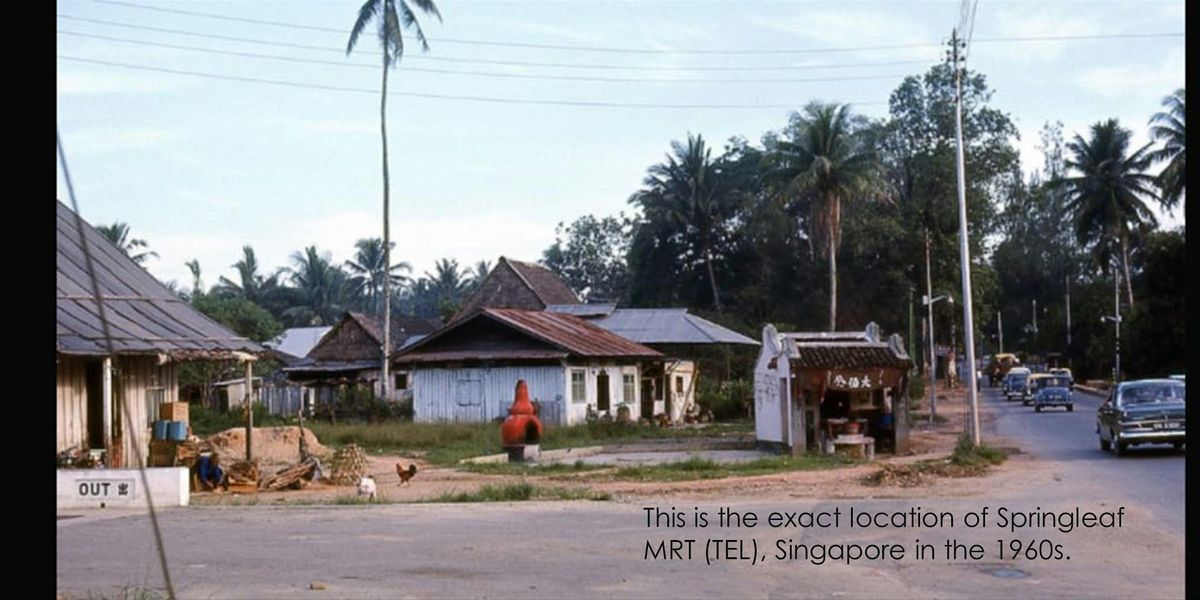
column 367, row 489
column 405, row 476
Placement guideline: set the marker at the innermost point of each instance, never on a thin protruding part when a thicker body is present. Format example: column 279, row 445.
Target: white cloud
column 339, row 126
column 72, row 82
column 1043, row 21
column 856, row 28
column 1136, row 80
column 110, row 139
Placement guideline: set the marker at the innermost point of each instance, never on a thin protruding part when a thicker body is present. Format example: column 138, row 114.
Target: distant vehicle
column 1016, row 383
column 1033, row 384
column 1145, row 411
column 999, row 367
column 1065, row 372
column 1053, row 390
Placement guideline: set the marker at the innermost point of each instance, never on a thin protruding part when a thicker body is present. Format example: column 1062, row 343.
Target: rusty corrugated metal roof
column 845, row 349
column 494, row 355
column 570, row 334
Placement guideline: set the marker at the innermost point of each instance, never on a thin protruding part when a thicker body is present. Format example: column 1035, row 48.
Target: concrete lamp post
column 925, row 301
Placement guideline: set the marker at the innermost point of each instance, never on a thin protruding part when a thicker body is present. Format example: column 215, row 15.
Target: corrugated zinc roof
column 144, row 316
column 583, row 310
column 297, row 341
column 668, row 326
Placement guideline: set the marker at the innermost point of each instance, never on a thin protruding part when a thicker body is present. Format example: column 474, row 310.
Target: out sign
column 105, row 489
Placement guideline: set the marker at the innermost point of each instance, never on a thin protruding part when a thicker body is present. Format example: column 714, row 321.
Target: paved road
column 597, row 549
column 1152, row 476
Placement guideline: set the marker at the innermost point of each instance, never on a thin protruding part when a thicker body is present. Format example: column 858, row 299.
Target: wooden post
column 249, row 387
column 106, row 399
column 799, row 423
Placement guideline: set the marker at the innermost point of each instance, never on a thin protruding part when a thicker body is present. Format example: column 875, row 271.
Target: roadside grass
column 506, row 468
column 965, row 461
column 445, row 444
column 922, row 418
column 697, row 468
column 517, row 492
column 125, row 593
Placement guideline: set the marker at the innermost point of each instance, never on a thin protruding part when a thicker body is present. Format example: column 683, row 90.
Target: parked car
column 1032, row 384
column 1146, row 411
column 1016, row 383
column 1054, row 390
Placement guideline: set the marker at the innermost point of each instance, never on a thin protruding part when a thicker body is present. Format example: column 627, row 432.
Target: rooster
column 405, row 476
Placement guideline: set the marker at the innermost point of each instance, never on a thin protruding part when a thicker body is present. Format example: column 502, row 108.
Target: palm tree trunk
column 834, row 225
column 832, row 284
column 712, row 280
column 387, row 324
column 1125, row 266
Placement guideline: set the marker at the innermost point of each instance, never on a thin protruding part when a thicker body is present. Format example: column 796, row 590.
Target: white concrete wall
column 94, row 488
column 577, row 411
column 767, row 423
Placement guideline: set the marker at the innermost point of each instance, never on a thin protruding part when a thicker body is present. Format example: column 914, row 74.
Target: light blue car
column 1053, row 391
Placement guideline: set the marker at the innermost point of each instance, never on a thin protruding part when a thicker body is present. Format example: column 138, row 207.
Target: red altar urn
column 522, row 426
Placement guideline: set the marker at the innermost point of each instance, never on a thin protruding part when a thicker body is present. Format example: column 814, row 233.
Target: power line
column 472, row 73
column 515, row 63
column 641, row 50
column 566, row 47
column 497, row 100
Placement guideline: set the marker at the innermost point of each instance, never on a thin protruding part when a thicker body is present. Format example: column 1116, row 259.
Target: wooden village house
column 349, row 355
column 674, row 332
column 466, row 371
column 813, row 391
column 151, row 331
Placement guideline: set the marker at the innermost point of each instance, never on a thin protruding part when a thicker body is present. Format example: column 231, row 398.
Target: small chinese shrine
column 832, row 392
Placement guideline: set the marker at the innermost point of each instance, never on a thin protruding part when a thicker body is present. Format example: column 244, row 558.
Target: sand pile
column 271, row 444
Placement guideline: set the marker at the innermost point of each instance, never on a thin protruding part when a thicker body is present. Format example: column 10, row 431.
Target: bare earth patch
column 855, row 481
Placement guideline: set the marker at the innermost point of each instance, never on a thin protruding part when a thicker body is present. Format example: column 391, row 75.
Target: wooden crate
column 162, row 453
column 173, row 411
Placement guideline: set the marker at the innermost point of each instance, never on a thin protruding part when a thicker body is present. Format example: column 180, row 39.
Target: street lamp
column 1116, row 367
column 925, row 301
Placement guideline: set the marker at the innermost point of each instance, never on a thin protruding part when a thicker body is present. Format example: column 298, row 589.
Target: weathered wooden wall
column 71, row 403
column 479, row 394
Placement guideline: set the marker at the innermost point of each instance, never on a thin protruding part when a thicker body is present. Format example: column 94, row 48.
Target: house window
column 155, row 395
column 578, row 389
column 401, row 381
column 679, row 384
column 628, row 383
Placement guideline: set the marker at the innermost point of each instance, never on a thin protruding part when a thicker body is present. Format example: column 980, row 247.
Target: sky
column 485, row 157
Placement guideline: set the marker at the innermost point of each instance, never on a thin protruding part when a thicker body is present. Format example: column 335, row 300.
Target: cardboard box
column 173, row 411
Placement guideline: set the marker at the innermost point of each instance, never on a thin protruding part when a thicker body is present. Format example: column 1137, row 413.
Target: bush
column 727, row 400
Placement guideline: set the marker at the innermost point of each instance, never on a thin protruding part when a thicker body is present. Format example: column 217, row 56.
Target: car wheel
column 1104, row 445
column 1121, row 448
column 1037, row 409
column 1178, row 446
column 1070, row 408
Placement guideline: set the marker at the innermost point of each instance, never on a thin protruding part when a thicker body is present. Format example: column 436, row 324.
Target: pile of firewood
column 294, row 477
column 242, row 474
column 349, row 465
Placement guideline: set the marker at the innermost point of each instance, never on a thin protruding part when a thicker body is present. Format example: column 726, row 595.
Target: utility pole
column 911, row 349
column 963, row 247
column 1068, row 321
column 932, row 343
column 1000, row 330
column 1035, row 319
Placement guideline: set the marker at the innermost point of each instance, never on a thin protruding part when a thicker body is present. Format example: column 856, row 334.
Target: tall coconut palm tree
column 690, row 192
column 366, row 269
column 118, row 234
column 1168, row 127
column 251, row 285
column 388, row 21
column 478, row 273
column 320, row 289
column 1106, row 192
column 197, row 285
column 824, row 166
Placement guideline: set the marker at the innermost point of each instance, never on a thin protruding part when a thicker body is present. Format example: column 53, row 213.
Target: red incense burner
column 521, row 430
